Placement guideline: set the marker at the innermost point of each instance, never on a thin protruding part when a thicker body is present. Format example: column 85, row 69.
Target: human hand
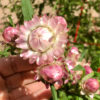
column 17, row 81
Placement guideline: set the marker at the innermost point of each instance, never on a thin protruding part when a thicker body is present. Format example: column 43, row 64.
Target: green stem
column 54, row 93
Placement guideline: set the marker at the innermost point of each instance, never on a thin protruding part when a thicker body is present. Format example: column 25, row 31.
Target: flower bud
column 70, row 64
column 88, row 69
column 73, row 53
column 51, row 73
column 91, row 85
column 9, row 33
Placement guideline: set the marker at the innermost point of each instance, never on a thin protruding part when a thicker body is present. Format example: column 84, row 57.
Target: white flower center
column 41, row 39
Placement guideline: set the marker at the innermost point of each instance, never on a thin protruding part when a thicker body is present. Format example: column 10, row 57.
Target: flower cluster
column 43, row 41
column 89, row 86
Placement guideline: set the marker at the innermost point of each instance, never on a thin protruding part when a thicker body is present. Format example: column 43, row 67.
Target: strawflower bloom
column 70, row 64
column 73, row 53
column 90, row 87
column 10, row 33
column 43, row 39
column 52, row 72
column 88, row 69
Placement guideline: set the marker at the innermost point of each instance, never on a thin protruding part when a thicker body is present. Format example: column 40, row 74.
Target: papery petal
column 91, row 96
column 22, row 46
column 32, row 59
column 27, row 54
column 29, row 25
column 53, row 22
column 70, row 64
column 60, row 28
column 82, row 92
column 61, row 20
column 36, row 21
column 44, row 20
column 24, row 30
column 19, row 40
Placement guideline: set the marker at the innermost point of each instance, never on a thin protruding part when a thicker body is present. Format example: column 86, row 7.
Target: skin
column 17, row 81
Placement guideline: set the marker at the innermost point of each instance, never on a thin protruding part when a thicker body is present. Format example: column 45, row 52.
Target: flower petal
column 44, row 20
column 22, row 46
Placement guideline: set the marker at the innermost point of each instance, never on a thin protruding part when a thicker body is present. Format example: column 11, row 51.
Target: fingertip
column 4, row 95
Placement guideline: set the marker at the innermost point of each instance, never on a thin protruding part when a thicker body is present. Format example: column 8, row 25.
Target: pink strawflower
column 74, row 50
column 73, row 53
column 90, row 86
column 10, row 33
column 43, row 39
column 70, row 64
column 52, row 73
column 76, row 76
column 88, row 69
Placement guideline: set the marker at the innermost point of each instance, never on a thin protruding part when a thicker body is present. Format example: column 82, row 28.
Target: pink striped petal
column 24, row 30
column 53, row 23
column 44, row 20
column 61, row 20
column 22, row 46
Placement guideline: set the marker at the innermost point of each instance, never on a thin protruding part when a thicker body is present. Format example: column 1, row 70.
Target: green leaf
column 96, row 74
column 87, row 77
column 62, row 95
column 27, row 9
column 78, row 98
column 70, row 97
column 54, row 93
column 5, row 53
column 97, row 97
column 78, row 67
column 83, row 55
column 11, row 21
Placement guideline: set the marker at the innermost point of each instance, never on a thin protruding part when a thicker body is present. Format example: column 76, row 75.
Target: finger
column 13, row 64
column 19, row 79
column 20, row 65
column 33, row 91
column 5, row 67
column 13, row 81
column 27, row 77
column 3, row 91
